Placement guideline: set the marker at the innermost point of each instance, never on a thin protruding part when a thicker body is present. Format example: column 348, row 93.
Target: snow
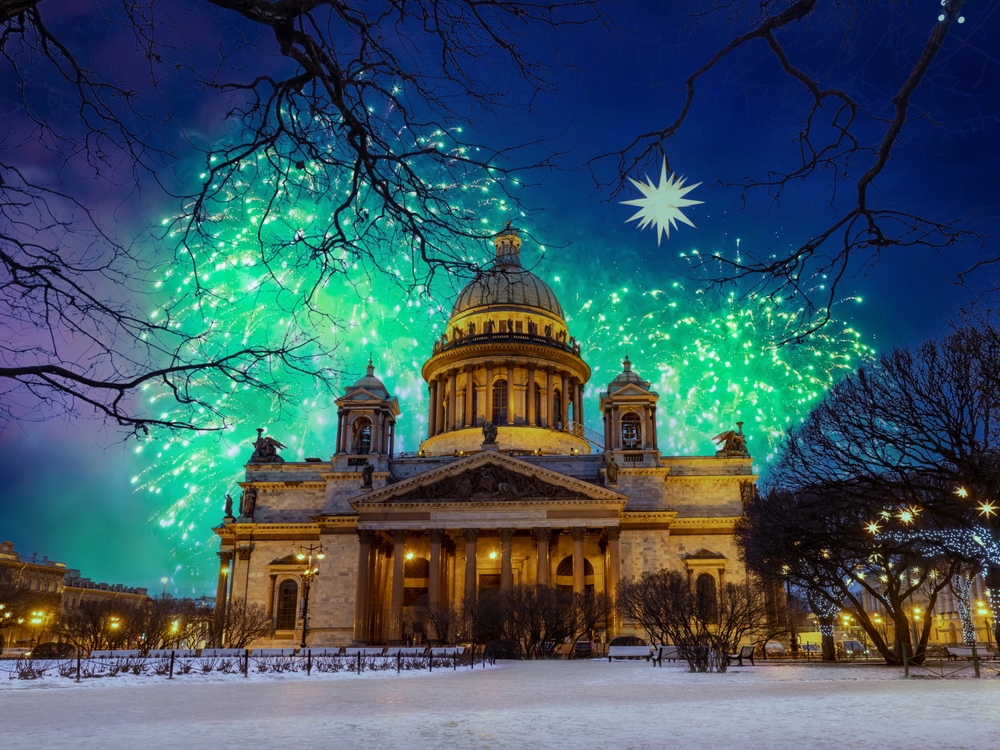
column 577, row 704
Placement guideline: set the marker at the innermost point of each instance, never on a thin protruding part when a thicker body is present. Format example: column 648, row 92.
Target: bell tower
column 366, row 418
column 629, row 410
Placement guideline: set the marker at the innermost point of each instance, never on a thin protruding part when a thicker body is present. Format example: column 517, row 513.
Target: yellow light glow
column 301, row 556
column 873, row 528
column 962, row 492
column 409, row 555
column 493, row 554
column 320, row 555
column 987, row 509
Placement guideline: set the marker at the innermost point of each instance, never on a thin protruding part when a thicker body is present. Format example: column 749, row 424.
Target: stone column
column 578, row 572
column 376, row 444
column 530, row 396
column 510, row 392
column 653, row 420
column 398, row 582
column 564, row 417
column 506, row 574
column 542, row 555
column 392, row 437
column 340, row 430
column 471, row 535
column 578, row 404
column 225, row 558
column 365, row 539
column 550, row 418
column 607, row 429
column 439, row 422
column 452, row 412
column 489, row 392
column 432, row 411
column 470, row 418
column 270, row 602
column 616, row 426
column 434, row 580
column 614, row 572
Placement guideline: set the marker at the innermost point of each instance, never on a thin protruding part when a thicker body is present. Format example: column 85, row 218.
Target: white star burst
column 661, row 204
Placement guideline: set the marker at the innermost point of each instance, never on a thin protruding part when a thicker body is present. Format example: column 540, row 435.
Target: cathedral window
column 288, row 604
column 518, row 327
column 362, row 441
column 500, row 402
column 706, row 598
column 631, row 431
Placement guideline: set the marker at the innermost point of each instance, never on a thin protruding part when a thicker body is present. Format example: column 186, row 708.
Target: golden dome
column 506, row 282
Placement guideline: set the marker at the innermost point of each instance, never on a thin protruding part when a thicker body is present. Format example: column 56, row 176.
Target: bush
column 628, row 640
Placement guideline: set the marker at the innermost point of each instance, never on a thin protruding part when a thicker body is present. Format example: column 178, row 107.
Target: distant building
column 33, row 592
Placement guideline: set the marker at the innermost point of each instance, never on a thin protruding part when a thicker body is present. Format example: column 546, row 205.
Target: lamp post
column 307, row 576
column 984, row 613
column 36, row 621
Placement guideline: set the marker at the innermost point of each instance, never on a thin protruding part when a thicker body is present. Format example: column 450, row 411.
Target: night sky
column 77, row 492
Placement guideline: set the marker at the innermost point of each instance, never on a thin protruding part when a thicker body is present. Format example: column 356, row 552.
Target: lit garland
column 961, row 586
column 713, row 363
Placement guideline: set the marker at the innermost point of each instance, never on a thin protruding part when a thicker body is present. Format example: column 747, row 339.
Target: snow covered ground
column 580, row 704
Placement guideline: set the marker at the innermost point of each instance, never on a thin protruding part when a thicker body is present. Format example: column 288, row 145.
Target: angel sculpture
column 229, row 506
column 265, row 450
column 731, row 443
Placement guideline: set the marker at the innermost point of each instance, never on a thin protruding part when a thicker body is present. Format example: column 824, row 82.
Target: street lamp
column 984, row 613
column 36, row 621
column 307, row 575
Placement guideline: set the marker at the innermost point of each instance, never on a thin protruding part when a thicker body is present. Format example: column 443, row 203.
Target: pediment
column 361, row 394
column 632, row 389
column 489, row 477
column 703, row 554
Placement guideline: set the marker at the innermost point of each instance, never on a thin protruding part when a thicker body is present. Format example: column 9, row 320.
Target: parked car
column 849, row 649
column 583, row 650
column 810, row 648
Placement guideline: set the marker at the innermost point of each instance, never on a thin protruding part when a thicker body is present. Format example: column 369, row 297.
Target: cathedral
column 508, row 488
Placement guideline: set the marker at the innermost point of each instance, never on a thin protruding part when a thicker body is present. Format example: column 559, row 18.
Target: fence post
column 309, row 662
column 171, row 666
column 359, row 662
column 975, row 660
column 430, row 661
column 78, row 665
column 246, row 662
column 399, row 662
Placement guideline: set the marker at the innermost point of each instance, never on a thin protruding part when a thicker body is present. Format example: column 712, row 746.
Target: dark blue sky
column 65, row 488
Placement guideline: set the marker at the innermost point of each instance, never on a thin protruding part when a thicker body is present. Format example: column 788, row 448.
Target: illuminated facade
column 508, row 487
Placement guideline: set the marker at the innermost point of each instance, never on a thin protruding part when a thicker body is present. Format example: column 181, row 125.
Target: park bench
column 222, row 653
column 164, row 653
column 364, row 651
column 965, row 652
column 447, row 650
column 670, row 653
column 407, row 651
column 746, row 652
column 273, row 652
column 119, row 654
column 632, row 652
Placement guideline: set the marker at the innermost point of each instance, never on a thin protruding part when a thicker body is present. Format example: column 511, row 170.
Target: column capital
column 543, row 533
column 614, row 533
column 471, row 535
column 488, row 364
column 506, row 535
column 225, row 556
column 531, row 365
column 437, row 535
column 399, row 535
column 366, row 536
column 577, row 532
column 243, row 553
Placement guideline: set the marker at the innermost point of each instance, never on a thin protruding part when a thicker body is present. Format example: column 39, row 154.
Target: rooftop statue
column 265, row 450
column 367, row 471
column 489, row 432
column 611, row 468
column 731, row 443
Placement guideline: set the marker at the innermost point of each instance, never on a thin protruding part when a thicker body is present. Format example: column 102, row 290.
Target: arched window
column 288, row 604
column 500, row 402
column 362, row 441
column 706, row 598
column 565, row 567
column 631, row 431
column 557, row 408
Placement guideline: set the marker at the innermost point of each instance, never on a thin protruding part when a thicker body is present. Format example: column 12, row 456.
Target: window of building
column 631, row 431
column 288, row 604
column 362, row 436
column 706, row 597
column 518, row 327
column 500, row 402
